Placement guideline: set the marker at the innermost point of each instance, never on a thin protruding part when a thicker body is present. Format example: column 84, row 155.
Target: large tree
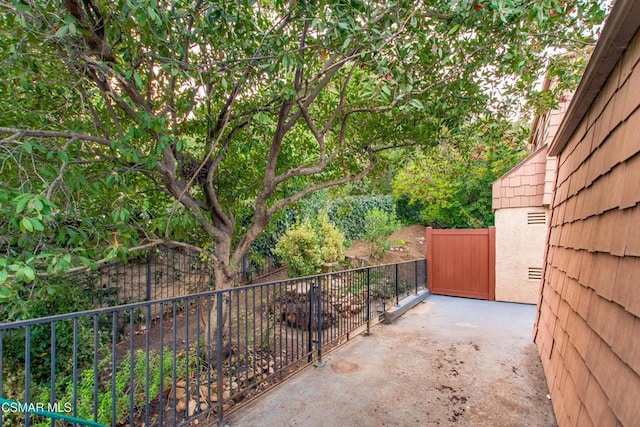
column 131, row 122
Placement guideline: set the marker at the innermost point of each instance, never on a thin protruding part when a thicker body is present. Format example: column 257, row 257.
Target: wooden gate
column 462, row 262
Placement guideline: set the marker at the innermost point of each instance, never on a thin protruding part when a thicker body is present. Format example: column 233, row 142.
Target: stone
column 356, row 308
column 192, row 407
column 180, row 393
column 181, row 406
column 204, row 406
column 204, row 391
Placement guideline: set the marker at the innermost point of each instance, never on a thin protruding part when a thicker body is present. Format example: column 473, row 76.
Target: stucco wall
column 518, row 247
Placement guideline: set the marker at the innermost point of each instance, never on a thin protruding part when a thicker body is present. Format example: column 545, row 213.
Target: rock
column 293, row 308
column 181, row 406
column 192, row 407
column 179, row 391
column 226, row 395
column 234, row 385
column 204, row 391
column 204, row 406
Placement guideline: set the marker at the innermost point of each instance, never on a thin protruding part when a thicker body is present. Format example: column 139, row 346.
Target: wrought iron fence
column 154, row 274
column 158, row 273
column 178, row 359
column 162, row 272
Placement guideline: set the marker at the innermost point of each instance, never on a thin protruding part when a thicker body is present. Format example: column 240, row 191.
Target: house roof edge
column 622, row 24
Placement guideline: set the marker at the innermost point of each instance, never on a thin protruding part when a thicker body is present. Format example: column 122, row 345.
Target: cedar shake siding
column 588, row 326
column 522, row 186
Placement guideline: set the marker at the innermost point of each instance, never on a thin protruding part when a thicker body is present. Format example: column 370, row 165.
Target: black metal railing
column 158, row 273
column 178, row 359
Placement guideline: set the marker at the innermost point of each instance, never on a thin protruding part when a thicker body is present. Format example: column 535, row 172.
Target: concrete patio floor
column 448, row 361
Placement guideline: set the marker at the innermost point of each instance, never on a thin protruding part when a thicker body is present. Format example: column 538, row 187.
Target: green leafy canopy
column 128, row 123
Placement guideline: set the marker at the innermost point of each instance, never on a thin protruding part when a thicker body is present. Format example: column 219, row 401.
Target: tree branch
column 303, row 193
column 54, row 134
column 148, row 245
column 63, row 169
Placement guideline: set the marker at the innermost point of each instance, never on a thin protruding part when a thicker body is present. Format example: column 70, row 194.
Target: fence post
column 318, row 290
column 310, row 325
column 429, row 260
column 219, row 344
column 149, row 256
column 415, row 275
column 397, row 296
column 426, row 275
column 244, row 269
column 368, row 299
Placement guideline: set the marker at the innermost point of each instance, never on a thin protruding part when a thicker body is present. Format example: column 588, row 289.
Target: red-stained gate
column 462, row 262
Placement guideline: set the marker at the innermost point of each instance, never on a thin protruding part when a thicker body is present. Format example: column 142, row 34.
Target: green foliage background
column 452, row 182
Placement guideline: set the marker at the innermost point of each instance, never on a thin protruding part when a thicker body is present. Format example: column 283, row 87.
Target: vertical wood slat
column 461, row 262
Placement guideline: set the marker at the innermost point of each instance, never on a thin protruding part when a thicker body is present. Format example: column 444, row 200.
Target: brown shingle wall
column 523, row 186
column 588, row 330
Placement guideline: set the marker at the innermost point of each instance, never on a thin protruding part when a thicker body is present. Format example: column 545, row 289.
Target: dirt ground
column 406, row 244
column 447, row 362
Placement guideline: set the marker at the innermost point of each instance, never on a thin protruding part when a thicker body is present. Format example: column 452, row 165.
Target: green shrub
column 330, row 239
column 348, row 213
column 123, row 384
column 307, row 246
column 409, row 212
column 379, row 226
column 47, row 299
column 299, row 249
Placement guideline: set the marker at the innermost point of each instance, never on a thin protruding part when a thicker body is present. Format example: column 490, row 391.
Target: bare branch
column 301, row 194
column 339, row 108
column 55, row 134
column 148, row 245
column 312, row 127
column 112, row 113
column 59, row 179
column 299, row 69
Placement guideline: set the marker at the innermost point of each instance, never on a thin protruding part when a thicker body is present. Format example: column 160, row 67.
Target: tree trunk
column 214, row 314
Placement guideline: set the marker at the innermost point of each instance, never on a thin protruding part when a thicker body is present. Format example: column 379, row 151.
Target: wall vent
column 535, row 273
column 536, row 218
